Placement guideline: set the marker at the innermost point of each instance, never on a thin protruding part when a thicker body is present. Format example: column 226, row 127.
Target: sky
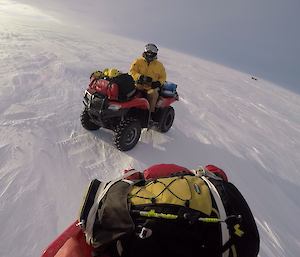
column 257, row 37
column 47, row 158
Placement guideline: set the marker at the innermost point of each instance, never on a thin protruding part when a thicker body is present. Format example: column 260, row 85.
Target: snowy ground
column 250, row 128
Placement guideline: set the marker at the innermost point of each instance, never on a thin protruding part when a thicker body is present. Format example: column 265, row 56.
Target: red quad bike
column 103, row 107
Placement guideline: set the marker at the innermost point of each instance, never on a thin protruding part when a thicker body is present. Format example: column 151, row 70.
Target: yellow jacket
column 154, row 69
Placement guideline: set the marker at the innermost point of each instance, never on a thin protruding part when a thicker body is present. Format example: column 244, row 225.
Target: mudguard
column 73, row 231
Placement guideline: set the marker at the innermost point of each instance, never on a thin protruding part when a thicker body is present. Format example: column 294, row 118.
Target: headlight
column 114, row 107
column 87, row 96
column 86, row 93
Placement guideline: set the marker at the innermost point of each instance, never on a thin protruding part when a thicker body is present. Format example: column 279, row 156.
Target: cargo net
column 160, row 190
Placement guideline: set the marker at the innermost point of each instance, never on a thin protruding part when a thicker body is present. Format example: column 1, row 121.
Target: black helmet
column 150, row 52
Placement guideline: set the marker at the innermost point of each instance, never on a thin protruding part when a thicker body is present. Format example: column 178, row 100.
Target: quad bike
column 126, row 118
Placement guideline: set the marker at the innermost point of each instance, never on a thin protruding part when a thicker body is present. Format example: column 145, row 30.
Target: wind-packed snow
column 250, row 128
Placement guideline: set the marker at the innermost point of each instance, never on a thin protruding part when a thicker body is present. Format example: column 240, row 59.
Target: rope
column 166, row 188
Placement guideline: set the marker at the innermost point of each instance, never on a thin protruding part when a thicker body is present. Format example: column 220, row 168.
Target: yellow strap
column 153, row 214
column 238, row 231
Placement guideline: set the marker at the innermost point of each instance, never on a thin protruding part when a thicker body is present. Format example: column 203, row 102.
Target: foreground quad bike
column 128, row 117
column 166, row 210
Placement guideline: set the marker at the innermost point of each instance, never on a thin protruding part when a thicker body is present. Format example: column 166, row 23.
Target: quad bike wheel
column 127, row 134
column 86, row 121
column 168, row 121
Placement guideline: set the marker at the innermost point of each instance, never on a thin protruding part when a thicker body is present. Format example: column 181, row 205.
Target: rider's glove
column 155, row 84
column 144, row 80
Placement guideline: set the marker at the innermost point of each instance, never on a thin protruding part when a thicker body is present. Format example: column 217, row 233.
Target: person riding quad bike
column 149, row 74
column 117, row 104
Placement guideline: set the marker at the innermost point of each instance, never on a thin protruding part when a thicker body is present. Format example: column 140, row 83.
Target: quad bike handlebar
column 144, row 80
